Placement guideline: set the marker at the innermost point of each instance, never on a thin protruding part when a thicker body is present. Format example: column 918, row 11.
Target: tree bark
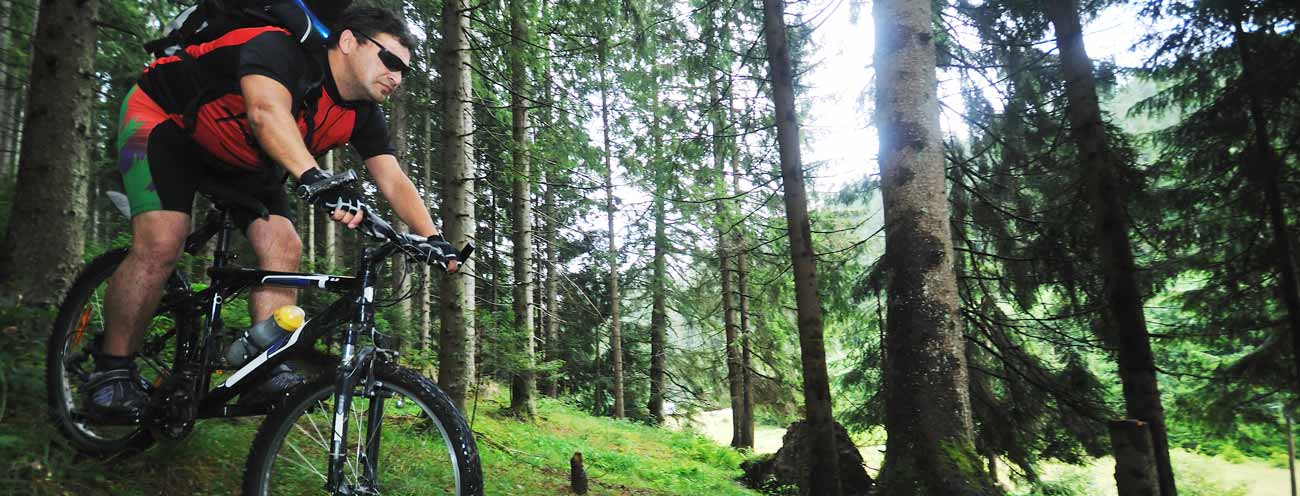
column 1290, row 452
column 43, row 246
column 456, row 341
column 824, row 478
column 1135, row 462
column 1123, row 296
column 523, row 382
column 426, row 284
column 615, row 327
column 399, row 124
column 658, row 307
column 550, row 288
column 6, row 83
column 741, row 261
column 931, row 448
column 18, row 95
column 720, row 146
column 328, row 226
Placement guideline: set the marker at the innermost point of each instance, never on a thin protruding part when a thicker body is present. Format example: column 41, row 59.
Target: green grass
column 620, row 456
column 519, row 458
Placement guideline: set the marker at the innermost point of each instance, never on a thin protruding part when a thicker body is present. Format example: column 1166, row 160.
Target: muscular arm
column 401, row 194
column 269, row 106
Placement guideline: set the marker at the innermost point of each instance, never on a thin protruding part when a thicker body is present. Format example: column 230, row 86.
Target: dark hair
column 371, row 21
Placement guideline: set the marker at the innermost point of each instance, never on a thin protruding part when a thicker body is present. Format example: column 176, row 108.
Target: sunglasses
column 391, row 61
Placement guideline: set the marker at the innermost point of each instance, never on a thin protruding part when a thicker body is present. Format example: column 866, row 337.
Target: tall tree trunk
column 741, row 261
column 720, row 147
column 456, row 341
column 931, row 448
column 399, row 124
column 493, row 258
column 1265, row 172
column 309, row 222
column 426, row 285
column 6, row 83
column 523, row 382
column 327, row 225
column 550, row 288
column 43, row 246
column 597, row 389
column 658, row 307
column 824, row 478
column 735, row 386
column 615, row 326
column 1123, row 296
column 17, row 88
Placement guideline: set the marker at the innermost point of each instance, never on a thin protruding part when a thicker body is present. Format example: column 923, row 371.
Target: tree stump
column 577, row 474
column 1135, row 460
column 791, row 465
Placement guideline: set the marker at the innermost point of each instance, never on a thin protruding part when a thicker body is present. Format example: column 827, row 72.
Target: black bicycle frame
column 355, row 307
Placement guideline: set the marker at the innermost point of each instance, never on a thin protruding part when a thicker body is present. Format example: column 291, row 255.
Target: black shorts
column 163, row 167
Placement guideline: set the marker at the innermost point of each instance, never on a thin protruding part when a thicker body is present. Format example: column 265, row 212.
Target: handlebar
column 373, row 225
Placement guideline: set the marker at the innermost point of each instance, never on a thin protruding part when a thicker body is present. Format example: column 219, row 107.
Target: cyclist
column 245, row 110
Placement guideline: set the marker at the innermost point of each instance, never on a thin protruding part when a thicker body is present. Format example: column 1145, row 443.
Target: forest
column 1036, row 258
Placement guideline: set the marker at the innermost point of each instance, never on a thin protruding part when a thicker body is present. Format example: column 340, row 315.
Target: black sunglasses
column 391, row 61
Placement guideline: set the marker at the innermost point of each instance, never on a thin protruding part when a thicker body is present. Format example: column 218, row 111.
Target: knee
column 157, row 249
column 284, row 254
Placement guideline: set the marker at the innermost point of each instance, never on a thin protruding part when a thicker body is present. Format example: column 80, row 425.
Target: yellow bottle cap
column 289, row 317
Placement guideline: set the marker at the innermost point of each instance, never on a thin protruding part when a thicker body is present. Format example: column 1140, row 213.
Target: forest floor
column 1198, row 474
column 519, row 458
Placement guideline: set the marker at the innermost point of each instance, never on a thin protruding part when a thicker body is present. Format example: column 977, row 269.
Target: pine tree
column 43, row 245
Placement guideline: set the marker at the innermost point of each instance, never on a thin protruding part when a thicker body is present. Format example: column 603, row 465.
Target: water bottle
column 262, row 335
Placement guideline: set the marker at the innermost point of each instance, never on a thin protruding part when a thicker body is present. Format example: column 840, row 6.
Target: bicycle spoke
column 319, row 441
column 356, row 460
column 306, row 463
column 320, row 437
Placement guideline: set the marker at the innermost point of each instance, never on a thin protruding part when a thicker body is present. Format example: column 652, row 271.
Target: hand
column 341, row 202
column 436, row 250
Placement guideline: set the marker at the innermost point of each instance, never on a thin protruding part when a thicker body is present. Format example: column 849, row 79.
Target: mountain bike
column 364, row 425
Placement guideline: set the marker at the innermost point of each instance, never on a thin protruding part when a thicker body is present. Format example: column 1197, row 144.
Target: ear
column 347, row 42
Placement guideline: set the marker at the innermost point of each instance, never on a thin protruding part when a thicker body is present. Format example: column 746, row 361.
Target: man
column 242, row 110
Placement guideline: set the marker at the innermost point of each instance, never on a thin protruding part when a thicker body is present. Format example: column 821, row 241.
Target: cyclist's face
column 378, row 64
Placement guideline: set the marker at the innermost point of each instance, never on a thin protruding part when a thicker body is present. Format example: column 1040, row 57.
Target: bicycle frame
column 194, row 358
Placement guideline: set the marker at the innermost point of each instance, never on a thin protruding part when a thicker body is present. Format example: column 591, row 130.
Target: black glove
column 341, row 198
column 433, row 250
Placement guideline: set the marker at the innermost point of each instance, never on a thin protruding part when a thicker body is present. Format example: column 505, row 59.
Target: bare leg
column 157, row 240
column 278, row 248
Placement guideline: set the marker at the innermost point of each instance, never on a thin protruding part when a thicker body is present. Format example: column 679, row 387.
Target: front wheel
column 403, row 436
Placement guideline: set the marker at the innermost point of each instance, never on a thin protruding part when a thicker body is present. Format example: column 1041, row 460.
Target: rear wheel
column 423, row 444
column 79, row 329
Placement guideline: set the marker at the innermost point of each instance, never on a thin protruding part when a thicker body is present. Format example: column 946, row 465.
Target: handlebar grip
column 308, row 192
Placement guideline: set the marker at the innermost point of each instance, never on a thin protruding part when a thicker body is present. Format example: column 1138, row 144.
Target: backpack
column 207, row 20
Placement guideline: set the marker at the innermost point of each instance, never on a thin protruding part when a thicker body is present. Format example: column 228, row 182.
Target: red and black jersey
column 200, row 91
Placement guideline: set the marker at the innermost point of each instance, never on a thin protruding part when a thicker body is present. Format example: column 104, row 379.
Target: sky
column 839, row 144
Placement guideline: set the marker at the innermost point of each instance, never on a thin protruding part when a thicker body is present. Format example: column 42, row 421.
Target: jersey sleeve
column 273, row 54
column 370, row 135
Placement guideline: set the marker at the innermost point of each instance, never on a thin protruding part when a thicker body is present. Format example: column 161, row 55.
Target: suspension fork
column 349, row 375
column 374, row 424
